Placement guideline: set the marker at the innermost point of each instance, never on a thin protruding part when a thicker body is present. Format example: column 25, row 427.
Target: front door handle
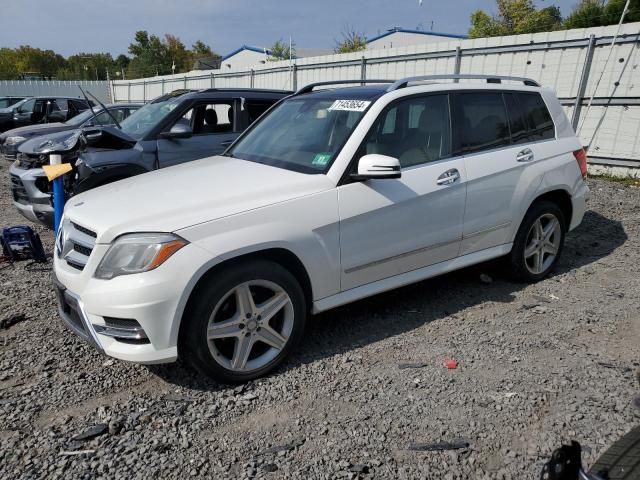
column 525, row 155
column 449, row 177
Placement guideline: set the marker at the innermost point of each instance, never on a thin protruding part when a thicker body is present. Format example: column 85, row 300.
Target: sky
column 73, row 26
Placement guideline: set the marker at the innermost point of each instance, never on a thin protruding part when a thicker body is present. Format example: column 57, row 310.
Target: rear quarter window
column 540, row 124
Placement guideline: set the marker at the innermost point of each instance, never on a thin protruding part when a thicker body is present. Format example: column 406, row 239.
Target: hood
column 184, row 195
column 33, row 130
column 52, row 142
column 6, row 110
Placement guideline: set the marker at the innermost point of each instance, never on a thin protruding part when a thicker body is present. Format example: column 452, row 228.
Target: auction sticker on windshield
column 350, row 105
column 321, row 159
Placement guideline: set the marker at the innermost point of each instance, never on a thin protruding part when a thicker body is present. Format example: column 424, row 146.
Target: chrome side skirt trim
column 486, row 230
column 407, row 278
column 423, row 249
column 400, row 255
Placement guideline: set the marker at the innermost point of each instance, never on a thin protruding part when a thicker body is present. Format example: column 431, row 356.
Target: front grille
column 84, row 230
column 18, row 190
column 75, row 244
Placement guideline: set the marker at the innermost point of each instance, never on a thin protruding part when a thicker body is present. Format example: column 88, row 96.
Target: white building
column 400, row 37
column 244, row 57
column 247, row 56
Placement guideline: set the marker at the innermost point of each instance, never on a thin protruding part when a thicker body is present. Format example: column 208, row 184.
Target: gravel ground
column 538, row 365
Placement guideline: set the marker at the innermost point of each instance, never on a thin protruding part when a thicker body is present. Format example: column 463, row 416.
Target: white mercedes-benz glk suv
column 333, row 195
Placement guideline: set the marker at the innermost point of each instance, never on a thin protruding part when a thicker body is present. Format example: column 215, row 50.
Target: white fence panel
column 62, row 88
column 555, row 59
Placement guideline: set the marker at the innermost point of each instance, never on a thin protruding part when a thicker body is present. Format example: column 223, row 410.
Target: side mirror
column 374, row 166
column 178, row 131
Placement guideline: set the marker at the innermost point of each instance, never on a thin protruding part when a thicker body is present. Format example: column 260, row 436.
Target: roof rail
column 489, row 78
column 311, row 86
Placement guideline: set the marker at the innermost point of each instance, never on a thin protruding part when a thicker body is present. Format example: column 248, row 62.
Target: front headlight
column 14, row 140
column 137, row 253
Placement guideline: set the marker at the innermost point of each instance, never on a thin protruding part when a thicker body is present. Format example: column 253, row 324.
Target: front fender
column 298, row 226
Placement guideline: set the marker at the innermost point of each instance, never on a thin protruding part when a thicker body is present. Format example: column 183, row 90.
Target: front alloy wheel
column 243, row 322
column 250, row 325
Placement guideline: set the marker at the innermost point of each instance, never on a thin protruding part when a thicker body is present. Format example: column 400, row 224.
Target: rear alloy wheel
column 245, row 322
column 543, row 243
column 538, row 243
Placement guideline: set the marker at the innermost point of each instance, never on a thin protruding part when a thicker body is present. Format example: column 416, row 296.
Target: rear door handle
column 449, row 177
column 525, row 155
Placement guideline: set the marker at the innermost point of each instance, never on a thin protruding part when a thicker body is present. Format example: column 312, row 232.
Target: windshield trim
column 296, row 167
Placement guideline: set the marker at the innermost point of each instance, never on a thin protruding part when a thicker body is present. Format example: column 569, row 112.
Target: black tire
column 518, row 266
column 194, row 346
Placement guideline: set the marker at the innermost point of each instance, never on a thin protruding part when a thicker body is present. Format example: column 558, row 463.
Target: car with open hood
column 11, row 140
column 175, row 128
column 30, row 187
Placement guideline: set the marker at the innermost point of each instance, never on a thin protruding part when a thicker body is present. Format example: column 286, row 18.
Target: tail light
column 581, row 158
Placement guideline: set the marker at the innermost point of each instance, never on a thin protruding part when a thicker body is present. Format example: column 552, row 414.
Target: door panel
column 491, row 165
column 173, row 152
column 491, row 197
column 388, row 227
column 214, row 128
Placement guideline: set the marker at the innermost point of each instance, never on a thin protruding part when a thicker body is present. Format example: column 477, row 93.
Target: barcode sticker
column 350, row 105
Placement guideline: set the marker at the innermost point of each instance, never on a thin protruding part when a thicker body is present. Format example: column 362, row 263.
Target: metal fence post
column 185, row 82
column 363, row 69
column 212, row 84
column 584, row 78
column 458, row 62
column 144, row 91
column 294, row 74
column 163, row 86
column 252, row 75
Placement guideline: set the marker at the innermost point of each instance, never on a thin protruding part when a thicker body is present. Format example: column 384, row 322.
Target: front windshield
column 139, row 123
column 302, row 134
column 82, row 117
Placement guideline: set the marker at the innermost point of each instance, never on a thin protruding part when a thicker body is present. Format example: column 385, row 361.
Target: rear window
column 538, row 118
column 484, row 121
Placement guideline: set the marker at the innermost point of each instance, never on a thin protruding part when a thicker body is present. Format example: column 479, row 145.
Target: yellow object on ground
column 54, row 171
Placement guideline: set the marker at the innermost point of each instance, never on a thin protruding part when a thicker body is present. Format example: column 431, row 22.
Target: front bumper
column 153, row 300
column 28, row 198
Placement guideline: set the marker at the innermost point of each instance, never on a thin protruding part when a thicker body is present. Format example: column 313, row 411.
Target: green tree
column 588, row 13
column 281, row 51
column 8, row 64
column 87, row 66
column 150, row 56
column 613, row 11
column 201, row 49
column 352, row 41
column 515, row 17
